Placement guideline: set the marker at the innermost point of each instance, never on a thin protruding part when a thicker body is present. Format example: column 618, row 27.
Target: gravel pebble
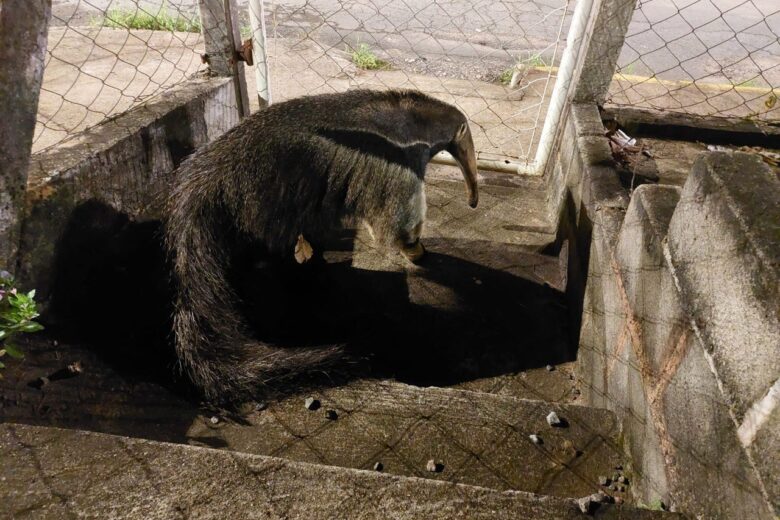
column 214, row 419
column 311, row 403
column 535, row 438
column 589, row 504
column 378, row 466
column 434, row 467
column 550, row 368
column 332, row 415
column 553, row 419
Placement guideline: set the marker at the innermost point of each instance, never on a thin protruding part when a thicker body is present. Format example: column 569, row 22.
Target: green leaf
column 13, row 351
column 31, row 294
column 31, row 327
column 3, row 333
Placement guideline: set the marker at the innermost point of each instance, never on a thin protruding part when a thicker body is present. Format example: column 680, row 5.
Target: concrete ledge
column 651, row 313
column 724, row 249
column 124, row 162
column 53, row 473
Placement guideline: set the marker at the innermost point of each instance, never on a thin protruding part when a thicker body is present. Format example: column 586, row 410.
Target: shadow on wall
column 113, row 289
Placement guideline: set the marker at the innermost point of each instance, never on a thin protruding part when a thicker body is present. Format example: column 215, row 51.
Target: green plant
column 17, row 312
column 505, row 77
column 364, row 58
column 655, row 505
column 628, row 70
column 535, row 60
column 119, row 18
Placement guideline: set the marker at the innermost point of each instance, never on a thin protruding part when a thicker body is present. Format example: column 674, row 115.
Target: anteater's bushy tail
column 213, row 344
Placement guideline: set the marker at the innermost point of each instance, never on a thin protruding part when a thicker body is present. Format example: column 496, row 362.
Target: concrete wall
column 680, row 331
column 125, row 162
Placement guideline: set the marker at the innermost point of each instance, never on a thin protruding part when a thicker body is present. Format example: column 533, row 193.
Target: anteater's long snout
column 462, row 149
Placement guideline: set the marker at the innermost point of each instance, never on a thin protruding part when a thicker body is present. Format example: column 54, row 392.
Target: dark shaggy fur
column 304, row 166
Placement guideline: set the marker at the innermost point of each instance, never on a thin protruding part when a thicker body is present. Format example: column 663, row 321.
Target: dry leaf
column 303, row 250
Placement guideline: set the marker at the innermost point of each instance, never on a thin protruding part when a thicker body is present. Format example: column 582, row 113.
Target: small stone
column 259, row 407
column 535, row 439
column 589, row 504
column 311, row 403
column 331, row 415
column 55, row 343
column 603, row 481
column 214, row 419
column 550, row 368
column 378, row 466
column 553, row 419
column 434, row 467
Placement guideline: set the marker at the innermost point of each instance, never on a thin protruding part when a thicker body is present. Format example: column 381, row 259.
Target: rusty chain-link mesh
column 107, row 56
column 702, row 57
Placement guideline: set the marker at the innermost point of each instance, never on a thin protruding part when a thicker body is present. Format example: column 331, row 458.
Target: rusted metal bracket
column 245, row 52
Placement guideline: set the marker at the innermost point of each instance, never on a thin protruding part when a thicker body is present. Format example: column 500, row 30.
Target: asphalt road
column 735, row 41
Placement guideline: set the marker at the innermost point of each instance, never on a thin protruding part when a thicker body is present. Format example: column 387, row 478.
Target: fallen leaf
column 303, row 250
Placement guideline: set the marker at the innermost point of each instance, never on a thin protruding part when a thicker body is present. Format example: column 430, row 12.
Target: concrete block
column 125, row 162
column 724, row 244
column 706, row 451
column 587, row 120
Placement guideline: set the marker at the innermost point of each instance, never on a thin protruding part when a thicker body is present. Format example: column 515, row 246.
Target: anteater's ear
column 461, row 131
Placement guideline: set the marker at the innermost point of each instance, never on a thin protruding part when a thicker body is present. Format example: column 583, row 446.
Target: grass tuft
column 364, row 58
column 119, row 18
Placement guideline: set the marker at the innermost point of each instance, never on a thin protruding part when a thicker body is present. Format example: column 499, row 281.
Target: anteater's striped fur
column 299, row 167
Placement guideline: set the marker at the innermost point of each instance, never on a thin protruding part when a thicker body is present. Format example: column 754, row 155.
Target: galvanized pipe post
column 263, row 80
column 222, row 35
column 23, row 39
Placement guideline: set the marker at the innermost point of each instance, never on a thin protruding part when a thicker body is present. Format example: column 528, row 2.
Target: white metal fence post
column 560, row 94
column 23, row 41
column 262, row 78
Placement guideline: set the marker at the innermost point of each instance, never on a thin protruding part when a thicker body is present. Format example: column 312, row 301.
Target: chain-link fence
column 107, row 56
column 702, row 57
column 495, row 60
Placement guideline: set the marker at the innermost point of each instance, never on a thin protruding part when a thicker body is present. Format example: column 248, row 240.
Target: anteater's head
column 461, row 147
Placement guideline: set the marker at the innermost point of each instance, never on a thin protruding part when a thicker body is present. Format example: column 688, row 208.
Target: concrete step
column 481, row 439
column 55, row 473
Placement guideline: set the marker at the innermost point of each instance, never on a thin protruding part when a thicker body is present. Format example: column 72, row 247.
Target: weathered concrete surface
column 724, row 249
column 644, row 349
column 51, row 473
column 480, row 439
column 125, row 162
